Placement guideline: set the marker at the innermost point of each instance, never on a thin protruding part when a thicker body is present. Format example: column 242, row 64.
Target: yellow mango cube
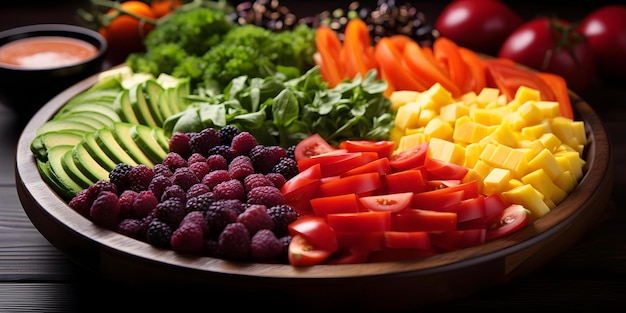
column 525, row 94
column 550, row 141
column 466, row 130
column 542, row 183
column 496, row 181
column 411, row 141
column 566, row 181
column 453, row 111
column 438, row 128
column 547, row 161
column 530, row 113
column 486, row 96
column 445, row 150
column 528, row 197
column 536, row 131
column 486, row 117
column 402, row 97
column 408, row 116
column 438, row 95
column 549, row 109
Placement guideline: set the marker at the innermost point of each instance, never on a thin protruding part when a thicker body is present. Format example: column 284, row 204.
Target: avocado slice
column 121, row 132
column 65, row 124
column 100, row 120
column 87, row 164
column 93, row 148
column 41, row 143
column 163, row 140
column 142, row 135
column 106, row 110
column 140, row 106
column 124, row 107
column 153, row 91
column 73, row 171
column 69, row 187
column 108, row 142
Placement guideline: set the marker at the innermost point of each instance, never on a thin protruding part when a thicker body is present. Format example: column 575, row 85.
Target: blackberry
column 264, row 246
column 159, row 234
column 139, row 177
column 105, row 210
column 227, row 133
column 232, row 204
column 234, row 242
column 174, row 191
column 202, row 142
column 255, row 218
column 288, row 167
column 240, row 167
column 291, row 152
column 230, row 189
column 282, row 216
column 218, row 215
column 267, row 195
column 119, row 175
column 199, row 203
column 171, row 211
column 130, row 227
column 242, row 143
column 224, row 151
column 179, row 143
column 262, row 159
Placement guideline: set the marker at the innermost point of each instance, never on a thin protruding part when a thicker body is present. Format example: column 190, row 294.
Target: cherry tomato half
column 410, row 158
column 301, row 253
column 311, row 146
column 316, row 231
column 387, row 202
column 512, row 219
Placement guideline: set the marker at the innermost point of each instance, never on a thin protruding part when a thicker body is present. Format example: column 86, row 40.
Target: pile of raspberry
column 216, row 193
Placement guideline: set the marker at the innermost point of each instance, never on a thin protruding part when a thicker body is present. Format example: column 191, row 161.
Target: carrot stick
column 329, row 49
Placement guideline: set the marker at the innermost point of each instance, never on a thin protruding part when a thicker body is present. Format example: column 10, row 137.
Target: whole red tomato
column 480, row 25
column 552, row 45
column 605, row 29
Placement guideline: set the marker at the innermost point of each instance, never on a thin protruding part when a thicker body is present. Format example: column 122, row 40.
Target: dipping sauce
column 45, row 52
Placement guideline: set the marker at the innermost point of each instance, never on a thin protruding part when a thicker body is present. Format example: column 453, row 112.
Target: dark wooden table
column 36, row 277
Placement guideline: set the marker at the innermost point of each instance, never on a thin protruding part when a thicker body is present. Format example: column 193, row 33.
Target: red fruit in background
column 605, row 29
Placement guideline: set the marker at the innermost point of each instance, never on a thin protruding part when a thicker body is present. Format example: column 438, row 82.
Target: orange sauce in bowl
column 45, row 52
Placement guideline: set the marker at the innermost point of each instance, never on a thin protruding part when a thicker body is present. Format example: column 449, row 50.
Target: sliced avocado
column 86, row 163
column 41, row 143
column 153, row 92
column 140, row 106
column 163, row 140
column 63, row 124
column 51, row 180
column 99, row 96
column 93, row 148
column 70, row 187
column 95, row 117
column 142, row 135
column 106, row 110
column 72, row 170
column 121, row 132
column 124, row 108
column 107, row 141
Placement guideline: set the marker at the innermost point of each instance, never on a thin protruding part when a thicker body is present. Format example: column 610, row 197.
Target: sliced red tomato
column 384, row 148
column 380, row 166
column 298, row 190
column 423, row 220
column 316, row 231
column 359, row 241
column 312, row 145
column 508, row 77
column 361, row 184
column 302, row 253
column 392, row 202
column 346, row 203
column 363, row 222
column 438, row 200
column 470, row 209
column 349, row 256
column 458, row 239
column 405, row 181
column 437, row 169
column 410, row 158
column 513, row 218
column 335, row 163
column 409, row 240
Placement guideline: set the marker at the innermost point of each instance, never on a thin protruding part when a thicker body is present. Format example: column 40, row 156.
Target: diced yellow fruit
column 525, row 94
column 527, row 196
column 438, row 95
column 425, row 116
column 468, row 98
column 482, row 168
column 530, row 113
column 516, row 162
column 505, row 135
column 549, row 109
column 488, row 150
column 485, row 116
column 496, row 181
column 472, row 154
column 547, row 161
column 408, row 116
column 536, row 131
column 515, row 120
column 566, row 181
column 438, row 128
column 570, row 161
column 395, row 134
column 451, row 112
column 473, row 175
column 411, row 141
column 487, row 95
column 445, row 150
column 550, row 141
column 572, row 133
column 514, row 183
column 540, row 181
column 402, row 97
column 465, row 130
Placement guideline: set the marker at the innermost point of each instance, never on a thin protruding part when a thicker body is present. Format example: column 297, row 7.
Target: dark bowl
column 26, row 90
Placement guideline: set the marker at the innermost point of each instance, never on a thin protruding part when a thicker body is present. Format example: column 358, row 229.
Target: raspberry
column 188, row 238
column 232, row 204
column 242, row 143
column 184, row 177
column 174, row 160
column 119, row 175
column 194, row 217
column 144, row 203
column 126, row 200
column 255, row 218
column 234, row 242
column 262, row 159
column 105, row 210
column 174, row 191
column 161, row 169
column 277, row 179
column 287, row 167
column 199, row 168
column 224, row 151
column 197, row 189
column 130, row 227
column 240, row 167
column 255, row 180
column 159, row 234
column 196, row 157
column 179, row 143
column 227, row 133
column 201, row 142
column 213, row 178
column 200, row 202
column 278, row 153
column 140, row 177
column 218, row 215
column 217, row 162
column 158, row 184
column 102, row 185
column 230, row 189
column 282, row 216
column 264, row 246
column 267, row 195
column 171, row 211
column 82, row 201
